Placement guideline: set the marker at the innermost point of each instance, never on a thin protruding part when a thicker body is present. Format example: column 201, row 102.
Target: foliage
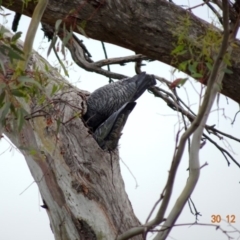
column 22, row 87
column 202, row 50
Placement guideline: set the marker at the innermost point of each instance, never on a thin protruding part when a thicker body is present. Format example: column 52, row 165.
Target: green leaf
column 62, row 65
column 54, row 90
column 209, row 66
column 3, row 30
column 197, row 75
column 67, row 38
column 25, row 79
column 57, row 24
column 18, row 93
column 32, row 152
column 228, row 71
column 192, row 68
column 5, row 112
column 183, row 81
column 52, row 45
column 46, row 67
column 16, row 36
column 12, row 108
column 2, row 67
column 2, row 97
column 178, row 49
column 190, row 50
column 226, row 60
column 183, row 66
column 182, row 52
column 8, row 51
column 81, row 28
column 16, row 48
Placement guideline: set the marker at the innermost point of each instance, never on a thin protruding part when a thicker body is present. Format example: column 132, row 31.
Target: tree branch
column 214, row 81
column 155, row 38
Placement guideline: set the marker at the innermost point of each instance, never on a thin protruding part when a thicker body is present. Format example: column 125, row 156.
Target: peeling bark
column 144, row 26
column 80, row 184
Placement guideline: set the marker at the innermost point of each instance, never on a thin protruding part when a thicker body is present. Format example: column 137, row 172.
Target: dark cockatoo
column 106, row 100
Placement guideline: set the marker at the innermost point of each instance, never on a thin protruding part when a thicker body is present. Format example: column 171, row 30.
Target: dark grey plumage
column 109, row 132
column 108, row 99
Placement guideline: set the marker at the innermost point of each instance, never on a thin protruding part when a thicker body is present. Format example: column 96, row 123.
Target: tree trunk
column 144, row 26
column 80, row 184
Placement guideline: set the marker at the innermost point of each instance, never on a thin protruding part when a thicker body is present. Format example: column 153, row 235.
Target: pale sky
column 146, row 147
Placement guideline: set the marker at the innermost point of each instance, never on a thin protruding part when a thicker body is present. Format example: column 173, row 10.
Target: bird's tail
column 143, row 82
column 108, row 133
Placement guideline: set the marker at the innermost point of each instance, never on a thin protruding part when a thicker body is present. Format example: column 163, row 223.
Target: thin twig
column 214, row 11
column 235, row 116
column 106, row 57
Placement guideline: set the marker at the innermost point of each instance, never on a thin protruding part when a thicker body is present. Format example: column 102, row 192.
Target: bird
column 109, row 132
column 106, row 100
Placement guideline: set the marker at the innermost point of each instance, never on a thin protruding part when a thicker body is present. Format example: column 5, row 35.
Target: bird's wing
column 108, row 133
